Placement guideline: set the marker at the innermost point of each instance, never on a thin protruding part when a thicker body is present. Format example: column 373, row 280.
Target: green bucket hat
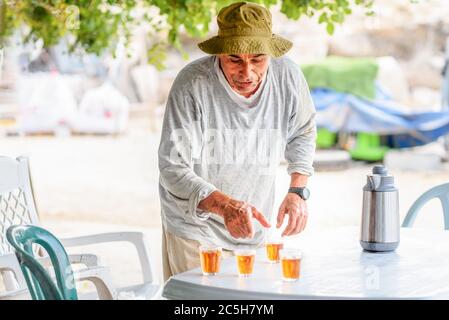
column 245, row 28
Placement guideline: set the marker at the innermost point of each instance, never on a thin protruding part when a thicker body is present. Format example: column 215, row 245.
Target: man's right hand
column 237, row 214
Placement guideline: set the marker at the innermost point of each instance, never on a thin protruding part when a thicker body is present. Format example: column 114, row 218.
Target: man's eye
column 235, row 61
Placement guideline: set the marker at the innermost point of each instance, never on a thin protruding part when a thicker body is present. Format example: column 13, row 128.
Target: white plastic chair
column 17, row 206
column 16, row 287
column 441, row 192
column 16, row 290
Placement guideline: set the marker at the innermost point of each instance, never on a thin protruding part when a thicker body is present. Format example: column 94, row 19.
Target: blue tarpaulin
column 342, row 112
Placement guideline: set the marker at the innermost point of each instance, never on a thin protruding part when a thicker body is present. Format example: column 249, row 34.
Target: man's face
column 244, row 72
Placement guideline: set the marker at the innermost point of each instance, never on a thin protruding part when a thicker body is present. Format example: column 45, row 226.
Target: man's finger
column 305, row 215
column 234, row 234
column 241, row 232
column 261, row 218
column 280, row 217
column 301, row 224
column 249, row 230
column 235, row 230
column 247, row 223
column 292, row 220
column 301, row 218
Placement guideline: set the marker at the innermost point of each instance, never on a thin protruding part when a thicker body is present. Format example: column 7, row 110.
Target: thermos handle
column 373, row 182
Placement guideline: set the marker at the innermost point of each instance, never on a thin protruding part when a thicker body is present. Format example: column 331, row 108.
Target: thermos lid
column 380, row 180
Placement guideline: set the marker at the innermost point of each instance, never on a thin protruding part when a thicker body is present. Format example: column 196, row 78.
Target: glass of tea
column 291, row 264
column 210, row 257
column 245, row 262
column 273, row 246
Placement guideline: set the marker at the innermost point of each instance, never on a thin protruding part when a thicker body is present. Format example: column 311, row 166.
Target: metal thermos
column 380, row 212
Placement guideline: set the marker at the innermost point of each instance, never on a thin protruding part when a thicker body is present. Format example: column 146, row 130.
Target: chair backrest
column 17, row 205
column 441, row 192
column 39, row 282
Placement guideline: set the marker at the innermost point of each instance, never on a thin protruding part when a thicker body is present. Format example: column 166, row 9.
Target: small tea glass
column 210, row 257
column 291, row 264
column 273, row 246
column 245, row 261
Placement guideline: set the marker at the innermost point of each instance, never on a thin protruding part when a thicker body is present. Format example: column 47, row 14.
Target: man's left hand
column 296, row 208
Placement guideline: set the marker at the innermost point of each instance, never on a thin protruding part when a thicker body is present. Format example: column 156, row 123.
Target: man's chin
column 244, row 93
column 246, row 89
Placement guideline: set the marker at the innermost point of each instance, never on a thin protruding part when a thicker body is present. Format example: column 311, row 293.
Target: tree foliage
column 95, row 26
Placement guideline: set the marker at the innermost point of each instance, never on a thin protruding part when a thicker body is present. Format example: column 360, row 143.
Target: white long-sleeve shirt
column 211, row 142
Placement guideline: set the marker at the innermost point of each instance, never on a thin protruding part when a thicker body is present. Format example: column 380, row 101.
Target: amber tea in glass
column 273, row 246
column 245, row 262
column 291, row 264
column 210, row 259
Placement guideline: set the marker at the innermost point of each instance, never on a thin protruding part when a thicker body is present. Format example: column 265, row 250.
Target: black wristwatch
column 303, row 192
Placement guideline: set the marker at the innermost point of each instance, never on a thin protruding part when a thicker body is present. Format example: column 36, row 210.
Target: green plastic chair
column 441, row 192
column 39, row 282
column 368, row 147
column 325, row 138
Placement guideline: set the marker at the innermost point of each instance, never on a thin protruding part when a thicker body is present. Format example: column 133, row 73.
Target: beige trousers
column 180, row 255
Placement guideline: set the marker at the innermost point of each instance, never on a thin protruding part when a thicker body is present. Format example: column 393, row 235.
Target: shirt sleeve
column 179, row 146
column 301, row 136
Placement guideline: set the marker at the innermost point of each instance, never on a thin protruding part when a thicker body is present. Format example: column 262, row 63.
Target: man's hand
column 296, row 208
column 238, row 219
column 237, row 214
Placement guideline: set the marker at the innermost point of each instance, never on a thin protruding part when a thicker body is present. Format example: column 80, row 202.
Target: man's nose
column 246, row 70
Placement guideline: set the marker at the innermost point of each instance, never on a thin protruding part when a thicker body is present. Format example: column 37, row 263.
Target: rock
column 424, row 158
column 331, row 160
column 426, row 99
column 393, row 80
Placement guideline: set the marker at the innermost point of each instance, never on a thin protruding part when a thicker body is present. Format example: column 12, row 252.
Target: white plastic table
column 333, row 266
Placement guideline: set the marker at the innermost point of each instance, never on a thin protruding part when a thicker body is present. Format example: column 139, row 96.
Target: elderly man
column 230, row 117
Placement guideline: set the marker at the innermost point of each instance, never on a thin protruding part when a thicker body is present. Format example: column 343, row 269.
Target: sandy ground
column 86, row 185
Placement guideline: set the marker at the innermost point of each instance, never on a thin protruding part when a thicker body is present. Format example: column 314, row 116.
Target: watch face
column 305, row 193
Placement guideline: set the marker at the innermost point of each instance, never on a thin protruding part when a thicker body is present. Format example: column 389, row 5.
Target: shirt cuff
column 300, row 168
column 202, row 192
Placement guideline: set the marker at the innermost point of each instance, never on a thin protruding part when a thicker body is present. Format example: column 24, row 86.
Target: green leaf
column 322, row 18
column 330, row 28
